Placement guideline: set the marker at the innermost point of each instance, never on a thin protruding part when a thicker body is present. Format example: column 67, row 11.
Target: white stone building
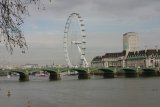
column 143, row 59
column 131, row 56
column 114, row 59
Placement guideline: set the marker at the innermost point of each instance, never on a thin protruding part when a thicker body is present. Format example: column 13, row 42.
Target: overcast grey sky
column 105, row 22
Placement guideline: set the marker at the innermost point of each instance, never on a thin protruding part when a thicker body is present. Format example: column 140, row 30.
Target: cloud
column 105, row 8
column 45, row 39
column 149, row 39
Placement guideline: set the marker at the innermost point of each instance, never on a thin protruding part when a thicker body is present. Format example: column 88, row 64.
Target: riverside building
column 131, row 56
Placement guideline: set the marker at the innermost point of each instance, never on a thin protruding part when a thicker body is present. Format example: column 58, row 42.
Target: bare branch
column 11, row 18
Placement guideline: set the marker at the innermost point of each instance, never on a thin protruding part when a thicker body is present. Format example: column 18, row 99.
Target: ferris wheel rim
column 82, row 33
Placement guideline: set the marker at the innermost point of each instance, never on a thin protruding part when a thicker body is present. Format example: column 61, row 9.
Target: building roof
column 126, row 34
column 144, row 52
column 137, row 54
column 116, row 54
column 97, row 58
column 151, row 52
column 130, row 54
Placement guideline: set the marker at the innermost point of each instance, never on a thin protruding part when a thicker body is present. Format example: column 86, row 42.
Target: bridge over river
column 85, row 73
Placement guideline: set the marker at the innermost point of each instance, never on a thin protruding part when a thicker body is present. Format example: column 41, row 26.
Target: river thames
column 71, row 92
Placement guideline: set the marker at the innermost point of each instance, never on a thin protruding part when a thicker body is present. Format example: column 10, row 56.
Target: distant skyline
column 105, row 22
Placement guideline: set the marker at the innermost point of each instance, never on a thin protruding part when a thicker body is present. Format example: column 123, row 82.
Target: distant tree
column 11, row 18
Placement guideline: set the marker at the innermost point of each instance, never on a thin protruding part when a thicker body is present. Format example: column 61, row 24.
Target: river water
column 71, row 92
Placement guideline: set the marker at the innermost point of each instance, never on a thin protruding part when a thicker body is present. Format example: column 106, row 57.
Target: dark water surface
column 70, row 92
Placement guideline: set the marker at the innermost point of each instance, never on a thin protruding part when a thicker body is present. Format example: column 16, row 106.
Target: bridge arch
column 82, row 73
column 129, row 72
column 53, row 75
column 23, row 76
column 148, row 72
column 107, row 72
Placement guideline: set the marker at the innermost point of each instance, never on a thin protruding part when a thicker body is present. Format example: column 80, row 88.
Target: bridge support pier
column 148, row 73
column 23, row 77
column 108, row 75
column 131, row 75
column 83, row 76
column 54, row 76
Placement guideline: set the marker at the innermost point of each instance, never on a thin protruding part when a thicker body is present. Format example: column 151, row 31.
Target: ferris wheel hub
column 76, row 42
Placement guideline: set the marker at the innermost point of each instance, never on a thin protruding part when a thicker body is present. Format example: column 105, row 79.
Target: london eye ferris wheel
column 74, row 41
